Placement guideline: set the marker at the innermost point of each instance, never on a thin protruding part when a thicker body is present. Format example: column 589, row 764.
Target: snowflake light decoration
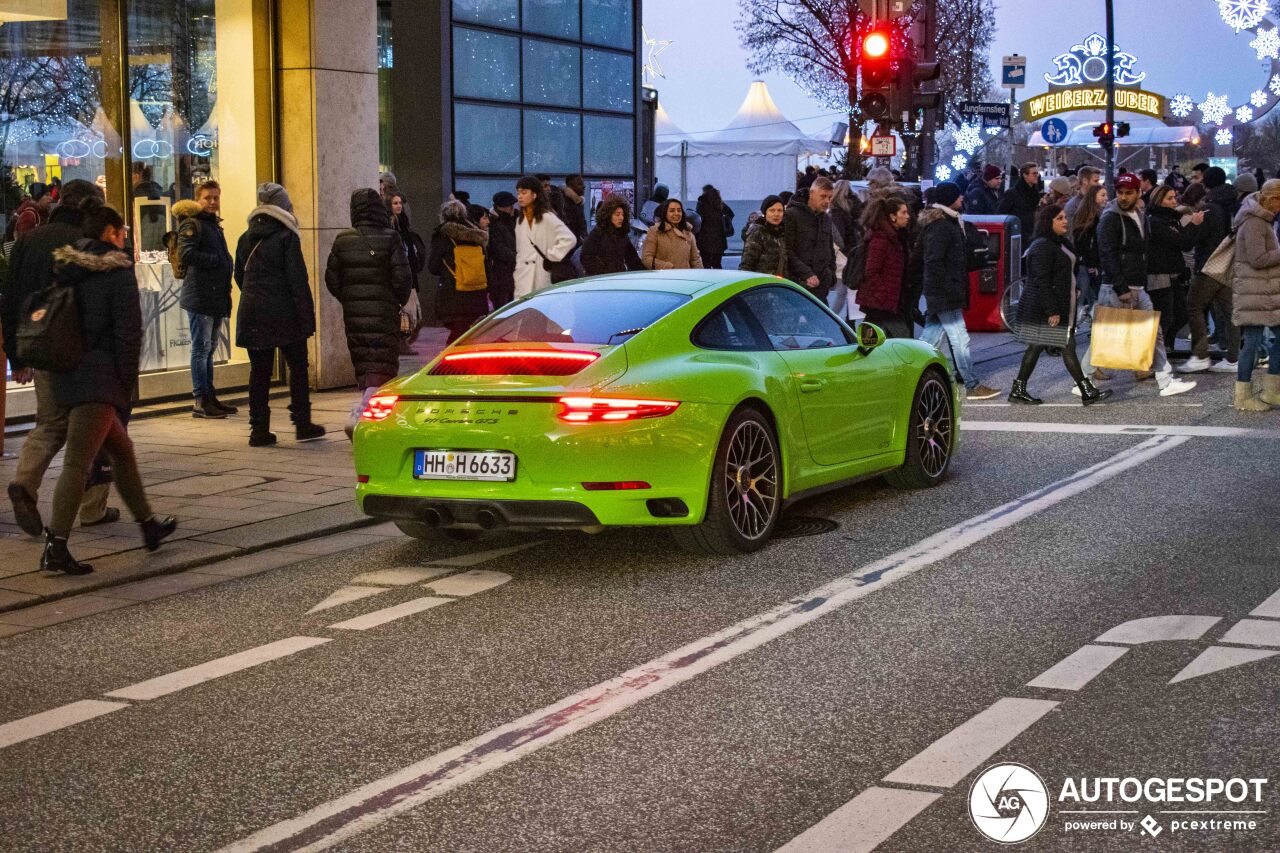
column 993, row 131
column 959, row 161
column 1244, row 115
column 1242, row 14
column 1274, row 85
column 1180, row 106
column 1258, row 99
column 1215, row 108
column 1267, row 44
column 943, row 173
column 969, row 138
column 1222, row 137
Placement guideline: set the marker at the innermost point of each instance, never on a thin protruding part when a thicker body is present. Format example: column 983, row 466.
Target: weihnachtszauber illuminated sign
column 1092, row 98
column 1078, row 83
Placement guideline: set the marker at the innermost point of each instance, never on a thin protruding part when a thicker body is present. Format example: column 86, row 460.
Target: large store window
column 149, row 118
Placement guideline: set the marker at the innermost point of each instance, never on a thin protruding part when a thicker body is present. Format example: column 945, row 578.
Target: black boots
column 56, row 557
column 1019, row 394
column 308, row 431
column 1089, row 394
column 25, row 511
column 156, row 530
column 221, row 406
column 261, row 437
column 206, row 408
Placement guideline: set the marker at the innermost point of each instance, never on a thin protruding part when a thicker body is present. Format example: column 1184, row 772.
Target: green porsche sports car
column 700, row 400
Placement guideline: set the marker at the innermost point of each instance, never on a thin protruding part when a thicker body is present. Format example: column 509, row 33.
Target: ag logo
column 38, row 315
column 1009, row 803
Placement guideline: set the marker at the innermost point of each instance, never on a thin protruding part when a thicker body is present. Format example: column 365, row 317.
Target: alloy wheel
column 933, row 427
column 751, row 480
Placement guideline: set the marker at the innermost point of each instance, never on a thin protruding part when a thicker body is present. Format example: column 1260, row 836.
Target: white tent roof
column 1151, row 134
column 758, row 128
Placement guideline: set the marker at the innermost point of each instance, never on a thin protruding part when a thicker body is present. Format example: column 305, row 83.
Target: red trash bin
column 986, row 286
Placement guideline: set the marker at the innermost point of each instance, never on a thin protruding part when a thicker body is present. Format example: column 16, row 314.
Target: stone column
column 328, row 133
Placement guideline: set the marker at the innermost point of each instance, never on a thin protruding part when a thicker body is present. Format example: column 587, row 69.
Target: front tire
column 930, row 435
column 744, row 500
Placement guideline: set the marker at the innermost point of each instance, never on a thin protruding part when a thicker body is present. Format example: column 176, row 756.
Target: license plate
column 488, row 466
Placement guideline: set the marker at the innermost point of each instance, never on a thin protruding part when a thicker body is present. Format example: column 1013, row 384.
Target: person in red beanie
column 983, row 199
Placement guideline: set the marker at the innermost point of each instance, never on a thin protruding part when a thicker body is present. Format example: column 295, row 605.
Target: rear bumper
column 441, row 512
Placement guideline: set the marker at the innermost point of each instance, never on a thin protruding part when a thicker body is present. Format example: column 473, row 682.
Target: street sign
column 1054, row 131
column 991, row 113
column 1013, row 74
column 884, row 146
column 885, row 10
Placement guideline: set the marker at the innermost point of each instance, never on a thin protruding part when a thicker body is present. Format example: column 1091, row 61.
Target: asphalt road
column 399, row 735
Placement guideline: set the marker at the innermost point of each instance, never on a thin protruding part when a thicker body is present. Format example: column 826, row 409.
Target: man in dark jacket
column 1122, row 250
column 31, row 270
column 1023, row 199
column 368, row 272
column 983, row 199
column 1221, row 205
column 946, row 284
column 502, row 249
column 811, row 253
column 205, row 294
column 575, row 190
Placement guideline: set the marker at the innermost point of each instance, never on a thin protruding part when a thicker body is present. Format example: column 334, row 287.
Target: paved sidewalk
column 230, row 499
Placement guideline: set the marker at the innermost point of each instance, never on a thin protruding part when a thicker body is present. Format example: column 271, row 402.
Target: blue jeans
column 951, row 324
column 1251, row 340
column 204, row 340
column 1159, row 360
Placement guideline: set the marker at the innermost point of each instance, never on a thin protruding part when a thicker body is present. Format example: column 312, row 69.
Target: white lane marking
column 1078, row 668
column 390, row 614
column 381, row 799
column 1119, row 429
column 468, row 583
column 1158, row 629
column 1217, row 658
column 1253, row 632
column 958, row 753
column 182, row 679
column 346, row 595
column 466, row 561
column 54, row 719
column 1269, row 609
column 862, row 823
column 1146, row 404
column 400, row 577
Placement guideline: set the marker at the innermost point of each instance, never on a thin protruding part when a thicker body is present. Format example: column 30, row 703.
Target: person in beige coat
column 670, row 243
column 1256, row 306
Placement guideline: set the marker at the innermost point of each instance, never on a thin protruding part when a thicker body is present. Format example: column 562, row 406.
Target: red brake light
column 621, row 486
column 514, row 362
column 582, row 410
column 379, row 408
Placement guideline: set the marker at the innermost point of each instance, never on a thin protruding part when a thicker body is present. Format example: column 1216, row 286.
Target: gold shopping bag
column 1124, row 338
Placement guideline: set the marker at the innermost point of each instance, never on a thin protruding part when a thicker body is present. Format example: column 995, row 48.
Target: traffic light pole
column 1111, row 98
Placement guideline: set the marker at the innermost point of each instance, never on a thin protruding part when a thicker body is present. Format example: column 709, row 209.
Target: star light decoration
column 1181, row 105
column 1242, row 14
column 944, row 173
column 1267, row 44
column 1244, row 115
column 655, row 47
column 1215, row 108
column 1222, row 137
column 969, row 138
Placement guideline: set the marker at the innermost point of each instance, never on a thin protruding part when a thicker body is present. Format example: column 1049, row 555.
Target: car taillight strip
column 379, row 407
column 612, row 409
column 513, row 363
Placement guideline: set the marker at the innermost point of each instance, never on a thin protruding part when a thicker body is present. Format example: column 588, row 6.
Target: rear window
column 579, row 317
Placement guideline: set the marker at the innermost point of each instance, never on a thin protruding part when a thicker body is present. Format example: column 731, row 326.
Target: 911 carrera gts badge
column 461, row 415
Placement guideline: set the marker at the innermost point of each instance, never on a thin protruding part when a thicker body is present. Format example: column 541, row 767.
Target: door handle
column 808, row 386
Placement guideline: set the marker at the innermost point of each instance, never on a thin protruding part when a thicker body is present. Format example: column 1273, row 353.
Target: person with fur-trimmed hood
column 276, row 312
column 608, row 247
column 457, row 309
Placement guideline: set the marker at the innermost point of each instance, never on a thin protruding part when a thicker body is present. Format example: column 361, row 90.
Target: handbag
column 560, row 270
column 1221, row 266
column 1124, row 338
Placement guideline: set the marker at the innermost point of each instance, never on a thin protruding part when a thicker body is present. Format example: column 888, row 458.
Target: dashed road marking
column 1217, row 658
column 378, row 801
column 1269, row 609
column 390, row 614
column 1079, row 668
column 862, row 823
column 346, row 595
column 466, row 561
column 54, row 719
column 1119, row 429
column 468, row 583
column 400, row 577
column 1253, row 632
column 182, row 679
column 1160, row 629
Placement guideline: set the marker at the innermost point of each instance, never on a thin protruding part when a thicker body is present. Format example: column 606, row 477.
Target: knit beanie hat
column 946, row 193
column 1246, row 183
column 1061, row 186
column 769, row 202
column 502, row 198
column 275, row 195
column 991, row 173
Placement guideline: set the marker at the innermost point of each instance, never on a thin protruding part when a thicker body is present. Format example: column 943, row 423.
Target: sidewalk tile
column 252, row 564
column 153, row 588
column 14, row 599
column 8, row 630
column 54, row 612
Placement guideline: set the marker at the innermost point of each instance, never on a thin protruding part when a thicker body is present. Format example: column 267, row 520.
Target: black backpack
column 50, row 336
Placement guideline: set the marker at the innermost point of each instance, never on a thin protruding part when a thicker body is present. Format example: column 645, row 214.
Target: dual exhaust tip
column 439, row 516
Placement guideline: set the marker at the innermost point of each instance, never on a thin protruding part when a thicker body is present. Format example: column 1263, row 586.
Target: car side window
column 792, row 321
column 730, row 327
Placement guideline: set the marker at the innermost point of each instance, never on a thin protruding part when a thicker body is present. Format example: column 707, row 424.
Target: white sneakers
column 1193, row 365
column 1177, row 386
column 1223, row 366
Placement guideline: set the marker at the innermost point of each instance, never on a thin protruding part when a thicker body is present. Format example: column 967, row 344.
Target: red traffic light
column 1102, row 130
column 875, row 45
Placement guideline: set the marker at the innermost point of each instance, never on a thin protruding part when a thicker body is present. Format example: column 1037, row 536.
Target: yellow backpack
column 468, row 272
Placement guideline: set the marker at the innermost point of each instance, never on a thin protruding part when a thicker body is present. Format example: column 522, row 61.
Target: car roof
column 685, row 282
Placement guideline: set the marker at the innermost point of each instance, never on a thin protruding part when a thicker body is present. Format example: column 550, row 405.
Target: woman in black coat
column 1167, row 274
column 276, row 312
column 1046, row 311
column 717, row 225
column 608, row 247
column 101, row 385
column 368, row 272
column 457, row 309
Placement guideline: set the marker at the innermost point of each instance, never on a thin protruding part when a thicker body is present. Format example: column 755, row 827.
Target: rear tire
column 744, row 498
column 930, row 435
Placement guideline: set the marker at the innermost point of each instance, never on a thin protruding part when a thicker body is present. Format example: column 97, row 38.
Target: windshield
column 578, row 317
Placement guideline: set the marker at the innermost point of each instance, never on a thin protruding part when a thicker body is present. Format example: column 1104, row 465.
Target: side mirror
column 870, row 336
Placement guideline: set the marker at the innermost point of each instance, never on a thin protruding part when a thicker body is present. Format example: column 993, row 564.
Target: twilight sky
column 1181, row 44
